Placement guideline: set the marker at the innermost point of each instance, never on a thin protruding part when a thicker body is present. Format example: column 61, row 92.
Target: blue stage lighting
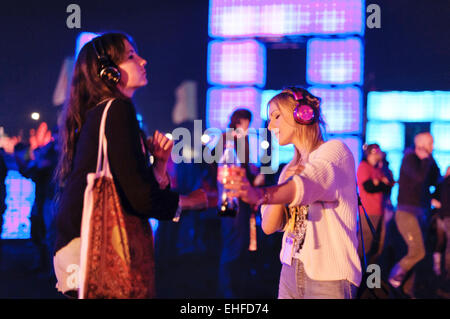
column 389, row 135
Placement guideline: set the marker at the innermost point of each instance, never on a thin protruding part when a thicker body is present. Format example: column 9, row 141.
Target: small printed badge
column 288, row 250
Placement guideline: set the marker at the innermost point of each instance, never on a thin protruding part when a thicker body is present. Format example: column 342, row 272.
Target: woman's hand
column 197, row 200
column 238, row 185
column 160, row 147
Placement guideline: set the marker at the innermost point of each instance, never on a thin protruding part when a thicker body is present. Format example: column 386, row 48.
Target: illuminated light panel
column 236, row 63
column 221, row 103
column 390, row 135
column 406, row 106
column 341, row 108
column 19, row 200
column 441, row 135
column 266, row 96
column 82, row 39
column 248, row 18
column 334, row 61
column 395, row 162
column 333, row 17
column 442, row 160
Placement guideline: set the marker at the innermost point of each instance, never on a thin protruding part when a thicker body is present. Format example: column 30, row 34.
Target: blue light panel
column 341, row 108
column 389, row 135
column 19, row 200
column 395, row 162
column 441, row 135
column 443, row 160
column 266, row 96
column 337, row 61
column 403, row 106
column 236, row 63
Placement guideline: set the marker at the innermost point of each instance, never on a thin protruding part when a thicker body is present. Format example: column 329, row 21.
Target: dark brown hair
column 87, row 89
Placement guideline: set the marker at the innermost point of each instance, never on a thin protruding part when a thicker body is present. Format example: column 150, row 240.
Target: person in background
column 373, row 185
column 418, row 172
column 38, row 162
column 441, row 254
column 238, row 234
column 314, row 203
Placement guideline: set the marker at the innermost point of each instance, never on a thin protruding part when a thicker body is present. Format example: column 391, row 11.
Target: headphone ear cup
column 305, row 114
column 110, row 74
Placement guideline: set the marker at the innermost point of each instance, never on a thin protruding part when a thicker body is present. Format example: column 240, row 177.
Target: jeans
column 295, row 284
column 409, row 226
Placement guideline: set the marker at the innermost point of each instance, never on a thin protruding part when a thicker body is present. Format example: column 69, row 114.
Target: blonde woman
column 314, row 204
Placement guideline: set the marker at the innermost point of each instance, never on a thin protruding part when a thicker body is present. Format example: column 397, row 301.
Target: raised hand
column 40, row 137
column 160, row 147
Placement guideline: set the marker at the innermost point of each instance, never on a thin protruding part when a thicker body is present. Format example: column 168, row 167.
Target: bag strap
column 372, row 230
column 102, row 152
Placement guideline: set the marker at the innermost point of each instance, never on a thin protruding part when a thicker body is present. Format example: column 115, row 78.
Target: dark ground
column 194, row 274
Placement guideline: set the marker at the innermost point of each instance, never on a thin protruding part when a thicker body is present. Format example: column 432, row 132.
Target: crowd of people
column 312, row 201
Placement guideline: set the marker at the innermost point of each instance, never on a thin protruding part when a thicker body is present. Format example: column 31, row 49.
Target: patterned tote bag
column 116, row 258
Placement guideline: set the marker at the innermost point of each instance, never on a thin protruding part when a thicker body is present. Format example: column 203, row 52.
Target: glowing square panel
column 236, row 63
column 442, row 160
column 390, row 135
column 441, row 135
column 338, row 16
column 341, row 108
column 334, row 61
column 248, row 18
column 20, row 193
column 221, row 103
column 266, row 96
column 394, row 159
column 233, row 18
column 407, row 106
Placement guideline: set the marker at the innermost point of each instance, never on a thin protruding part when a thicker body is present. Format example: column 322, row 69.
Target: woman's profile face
column 132, row 69
column 284, row 131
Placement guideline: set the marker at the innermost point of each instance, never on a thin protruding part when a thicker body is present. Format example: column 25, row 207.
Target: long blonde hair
column 309, row 136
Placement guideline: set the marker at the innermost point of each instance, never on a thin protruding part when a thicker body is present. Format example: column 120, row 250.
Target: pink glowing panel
column 334, row 61
column 236, row 63
column 221, row 102
column 341, row 108
column 247, row 18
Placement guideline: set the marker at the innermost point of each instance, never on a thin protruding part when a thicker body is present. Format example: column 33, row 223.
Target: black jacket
column 135, row 182
column 416, row 177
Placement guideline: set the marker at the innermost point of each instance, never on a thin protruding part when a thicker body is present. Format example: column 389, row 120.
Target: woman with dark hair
column 314, row 203
column 373, row 184
column 109, row 67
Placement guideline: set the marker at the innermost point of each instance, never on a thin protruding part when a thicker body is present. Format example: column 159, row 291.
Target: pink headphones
column 304, row 113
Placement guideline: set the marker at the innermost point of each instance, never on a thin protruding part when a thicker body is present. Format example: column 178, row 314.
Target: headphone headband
column 107, row 70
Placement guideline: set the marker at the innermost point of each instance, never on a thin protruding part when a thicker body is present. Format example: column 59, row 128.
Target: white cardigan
column 328, row 185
